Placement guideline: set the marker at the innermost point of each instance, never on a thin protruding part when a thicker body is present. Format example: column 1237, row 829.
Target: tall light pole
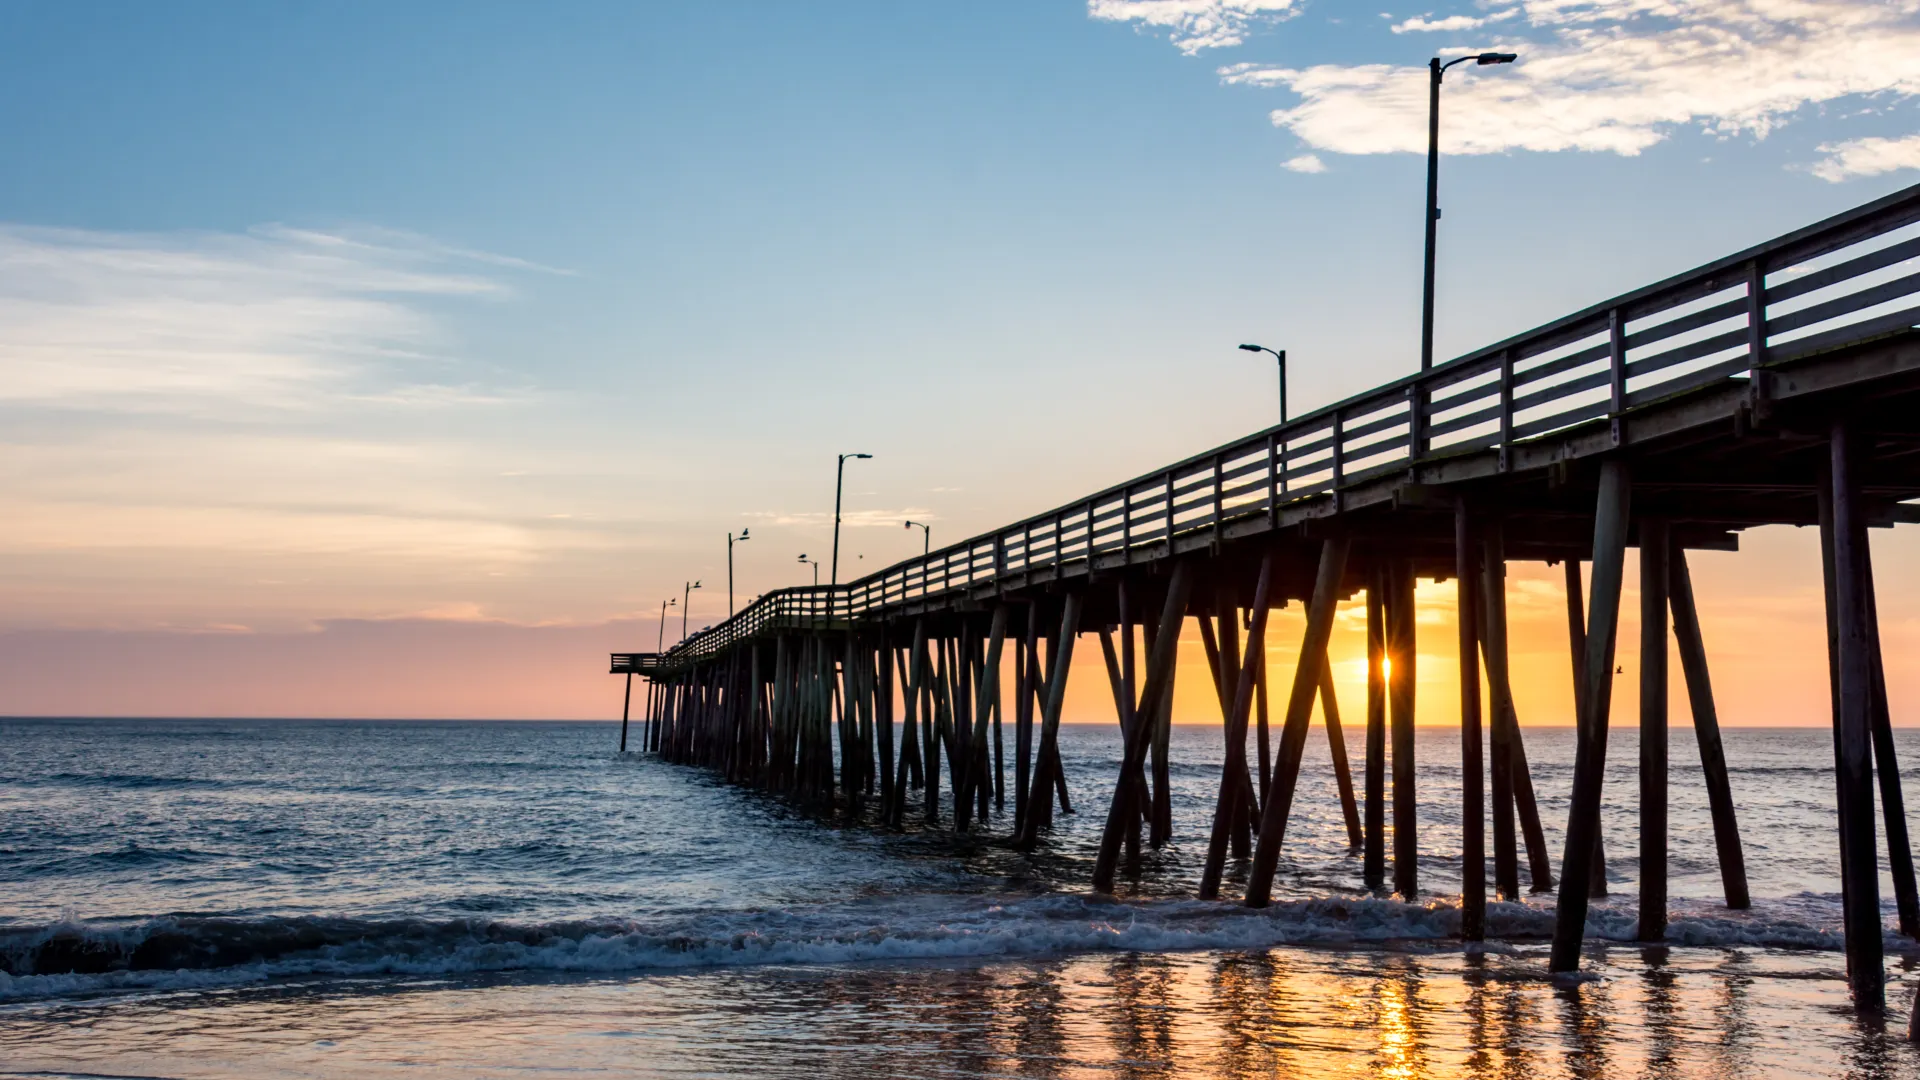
column 1280, row 355
column 839, row 475
column 926, row 543
column 685, row 596
column 815, row 563
column 731, row 540
column 662, row 643
column 1436, row 70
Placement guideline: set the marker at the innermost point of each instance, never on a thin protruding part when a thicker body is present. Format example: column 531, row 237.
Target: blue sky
column 315, row 315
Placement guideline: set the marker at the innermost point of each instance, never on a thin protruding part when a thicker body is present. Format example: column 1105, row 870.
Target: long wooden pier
column 1779, row 385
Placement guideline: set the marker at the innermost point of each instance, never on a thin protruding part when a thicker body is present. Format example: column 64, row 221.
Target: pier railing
column 1851, row 277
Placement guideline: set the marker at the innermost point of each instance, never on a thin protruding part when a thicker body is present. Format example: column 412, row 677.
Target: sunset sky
column 399, row 360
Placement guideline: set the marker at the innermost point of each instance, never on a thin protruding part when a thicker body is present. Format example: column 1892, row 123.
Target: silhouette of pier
column 1779, row 385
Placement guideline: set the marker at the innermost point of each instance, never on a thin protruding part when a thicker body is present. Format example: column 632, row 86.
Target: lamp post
column 731, row 540
column 685, row 596
column 839, row 475
column 661, row 644
column 1435, row 71
column 1280, row 355
column 815, row 563
column 926, row 543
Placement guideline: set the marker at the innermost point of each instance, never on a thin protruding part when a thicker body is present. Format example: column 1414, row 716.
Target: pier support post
column 1473, row 827
column 1373, row 863
column 1342, row 770
column 1590, row 754
column 1293, row 736
column 1160, row 667
column 882, row 716
column 1854, row 730
column 988, row 691
column 1026, row 660
column 1400, row 703
column 1654, row 576
column 1502, row 721
column 1265, row 758
column 1235, row 797
column 1706, row 731
column 1577, row 642
column 1142, row 819
column 1893, row 803
column 626, row 706
column 1041, row 801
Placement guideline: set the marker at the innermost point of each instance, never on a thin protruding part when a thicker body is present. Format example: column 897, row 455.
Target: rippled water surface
column 271, row 898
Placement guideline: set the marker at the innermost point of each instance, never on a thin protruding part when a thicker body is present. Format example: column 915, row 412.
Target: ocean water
column 313, row 899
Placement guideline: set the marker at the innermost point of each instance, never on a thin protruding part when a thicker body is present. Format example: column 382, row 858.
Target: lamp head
column 803, row 556
column 1486, row 58
column 695, row 585
column 1250, row 348
column 863, row 455
column 745, row 533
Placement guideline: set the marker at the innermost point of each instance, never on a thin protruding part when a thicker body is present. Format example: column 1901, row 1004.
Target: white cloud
column 218, row 323
column 851, row 519
column 1867, row 157
column 1196, row 24
column 1451, row 22
column 1616, row 76
column 1305, row 163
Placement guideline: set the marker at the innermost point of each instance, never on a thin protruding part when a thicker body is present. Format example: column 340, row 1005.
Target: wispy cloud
column 851, row 519
column 1867, row 157
column 1616, row 76
column 1194, row 24
column 1418, row 24
column 278, row 318
column 1305, row 163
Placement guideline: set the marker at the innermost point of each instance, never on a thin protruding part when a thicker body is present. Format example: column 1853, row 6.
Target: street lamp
column 662, row 643
column 731, row 539
column 1435, row 70
column 926, row 544
column 685, row 595
column 1280, row 355
column 815, row 563
column 840, row 473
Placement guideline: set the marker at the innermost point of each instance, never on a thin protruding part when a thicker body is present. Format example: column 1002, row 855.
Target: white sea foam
column 166, row 954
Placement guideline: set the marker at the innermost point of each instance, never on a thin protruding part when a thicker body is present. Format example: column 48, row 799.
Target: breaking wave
column 180, row 952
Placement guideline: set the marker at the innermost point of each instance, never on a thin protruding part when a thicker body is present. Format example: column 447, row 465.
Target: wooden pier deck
column 1779, row 385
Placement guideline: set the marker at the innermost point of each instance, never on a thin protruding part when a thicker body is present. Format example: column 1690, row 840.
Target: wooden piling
column 1160, row 668
column 1473, row 829
column 626, row 704
column 1893, row 803
column 1491, row 619
column 1654, row 576
column 1577, row 642
column 1133, row 721
column 1400, row 703
column 1230, row 804
column 1026, row 660
column 1706, row 730
column 1260, row 712
column 1337, row 745
column 1039, row 809
column 1855, row 731
column 1590, row 755
column 1293, row 735
column 988, row 691
column 1160, row 822
column 1123, row 710
column 883, row 719
column 1373, row 863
